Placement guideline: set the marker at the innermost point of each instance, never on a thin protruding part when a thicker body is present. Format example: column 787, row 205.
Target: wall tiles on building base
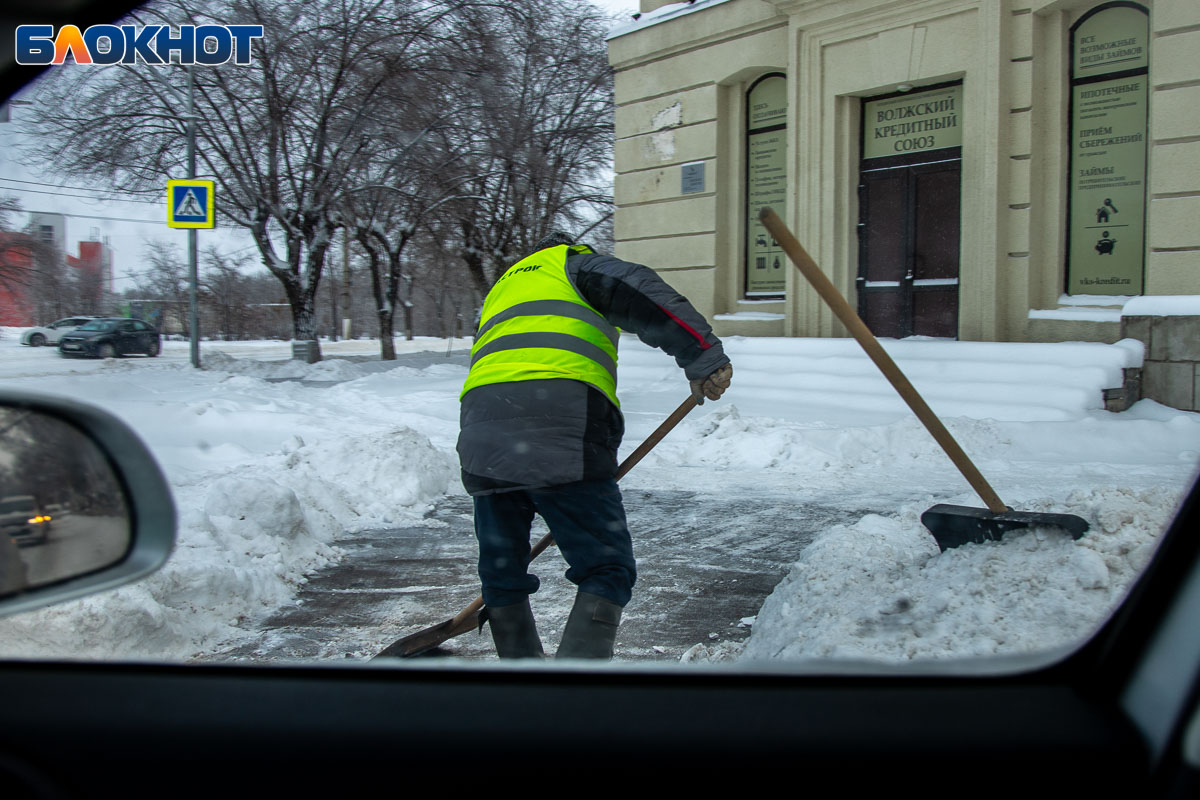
column 1171, row 372
column 1070, row 330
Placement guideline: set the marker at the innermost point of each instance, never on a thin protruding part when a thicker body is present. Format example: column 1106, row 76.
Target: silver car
column 23, row 520
column 50, row 334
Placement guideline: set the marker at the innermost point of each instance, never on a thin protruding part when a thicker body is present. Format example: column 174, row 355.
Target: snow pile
column 243, row 546
column 832, row 380
column 371, row 481
column 328, row 370
column 1185, row 305
column 265, row 476
column 750, row 316
column 268, row 474
column 880, row 590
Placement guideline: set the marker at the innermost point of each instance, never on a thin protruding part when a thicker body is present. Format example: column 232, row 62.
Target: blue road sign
column 191, row 204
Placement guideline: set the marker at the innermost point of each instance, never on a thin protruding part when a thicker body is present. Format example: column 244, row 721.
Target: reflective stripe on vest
column 536, row 326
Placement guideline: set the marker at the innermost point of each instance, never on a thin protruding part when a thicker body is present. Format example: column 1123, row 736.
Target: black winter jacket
column 534, row 434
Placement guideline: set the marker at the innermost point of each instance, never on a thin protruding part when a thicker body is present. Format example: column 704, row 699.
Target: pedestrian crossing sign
column 190, row 204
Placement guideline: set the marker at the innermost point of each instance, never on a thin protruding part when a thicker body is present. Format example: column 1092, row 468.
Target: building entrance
column 908, row 227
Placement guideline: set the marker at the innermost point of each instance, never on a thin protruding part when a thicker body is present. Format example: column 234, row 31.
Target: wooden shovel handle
column 631, row 460
column 653, row 439
column 858, row 329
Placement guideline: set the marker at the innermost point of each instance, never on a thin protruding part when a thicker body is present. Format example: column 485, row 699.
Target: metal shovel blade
column 425, row 640
column 952, row 526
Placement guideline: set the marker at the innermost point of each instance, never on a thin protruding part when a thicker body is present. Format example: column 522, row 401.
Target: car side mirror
column 83, row 505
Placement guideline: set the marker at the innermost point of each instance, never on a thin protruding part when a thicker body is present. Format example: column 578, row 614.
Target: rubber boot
column 514, row 631
column 591, row 629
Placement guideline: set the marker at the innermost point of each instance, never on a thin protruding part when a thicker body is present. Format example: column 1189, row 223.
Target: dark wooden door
column 909, row 248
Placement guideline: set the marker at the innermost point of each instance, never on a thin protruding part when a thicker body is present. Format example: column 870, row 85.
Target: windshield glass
column 10, row 504
column 389, row 358
column 97, row 325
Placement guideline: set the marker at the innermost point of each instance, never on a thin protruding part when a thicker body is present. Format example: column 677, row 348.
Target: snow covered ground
column 267, row 474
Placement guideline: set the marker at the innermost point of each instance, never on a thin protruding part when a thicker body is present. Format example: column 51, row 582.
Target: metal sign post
column 191, row 204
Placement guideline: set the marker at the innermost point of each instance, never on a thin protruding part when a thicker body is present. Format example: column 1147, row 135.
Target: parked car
column 50, row 334
column 111, row 337
column 22, row 518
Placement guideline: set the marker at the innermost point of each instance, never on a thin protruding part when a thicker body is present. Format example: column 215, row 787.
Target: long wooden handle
column 653, row 439
column 858, row 329
column 631, row 460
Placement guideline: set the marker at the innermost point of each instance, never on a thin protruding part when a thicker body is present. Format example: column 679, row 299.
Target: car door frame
column 1074, row 723
column 77, row 728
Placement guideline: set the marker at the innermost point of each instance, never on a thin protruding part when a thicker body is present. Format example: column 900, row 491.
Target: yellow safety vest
column 536, row 326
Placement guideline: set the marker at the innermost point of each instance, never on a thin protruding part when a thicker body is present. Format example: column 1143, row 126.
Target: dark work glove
column 713, row 386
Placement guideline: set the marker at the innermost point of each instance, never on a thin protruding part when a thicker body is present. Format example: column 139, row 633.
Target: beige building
column 994, row 170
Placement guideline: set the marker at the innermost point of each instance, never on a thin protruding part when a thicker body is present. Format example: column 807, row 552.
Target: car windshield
column 10, row 504
column 454, row 261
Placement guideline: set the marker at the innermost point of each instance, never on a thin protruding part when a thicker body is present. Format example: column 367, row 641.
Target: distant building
column 16, row 258
column 94, row 261
column 23, row 291
column 50, row 229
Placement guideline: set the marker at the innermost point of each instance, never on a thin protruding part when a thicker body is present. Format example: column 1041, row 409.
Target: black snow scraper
column 950, row 525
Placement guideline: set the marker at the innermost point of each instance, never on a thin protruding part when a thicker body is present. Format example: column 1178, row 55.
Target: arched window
column 766, row 182
column 1106, row 234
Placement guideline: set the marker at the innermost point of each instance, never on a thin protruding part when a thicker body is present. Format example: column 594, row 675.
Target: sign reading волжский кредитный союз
column 1109, row 104
column 913, row 123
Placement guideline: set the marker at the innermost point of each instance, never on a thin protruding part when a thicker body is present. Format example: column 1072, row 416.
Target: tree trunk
column 304, row 317
column 384, row 310
column 304, row 328
column 387, row 347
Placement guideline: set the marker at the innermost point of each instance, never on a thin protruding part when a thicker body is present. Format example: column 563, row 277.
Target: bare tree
column 225, row 292
column 368, row 115
column 451, row 297
column 536, row 119
column 400, row 190
column 16, row 255
column 165, row 278
column 279, row 136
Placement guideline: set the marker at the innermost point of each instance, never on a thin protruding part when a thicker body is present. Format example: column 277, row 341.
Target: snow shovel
column 475, row 614
column 950, row 525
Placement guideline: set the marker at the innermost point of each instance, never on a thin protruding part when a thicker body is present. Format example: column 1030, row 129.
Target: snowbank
column 270, row 465
column 1186, row 305
column 880, row 590
column 265, row 477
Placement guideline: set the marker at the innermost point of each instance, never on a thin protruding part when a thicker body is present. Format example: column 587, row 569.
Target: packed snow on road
column 271, row 461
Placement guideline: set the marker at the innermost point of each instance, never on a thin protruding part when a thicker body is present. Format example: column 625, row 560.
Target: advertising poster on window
column 1111, row 40
column 1108, row 187
column 1109, row 102
column 766, row 184
column 768, row 187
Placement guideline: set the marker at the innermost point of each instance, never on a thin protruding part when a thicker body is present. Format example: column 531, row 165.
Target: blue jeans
column 588, row 523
